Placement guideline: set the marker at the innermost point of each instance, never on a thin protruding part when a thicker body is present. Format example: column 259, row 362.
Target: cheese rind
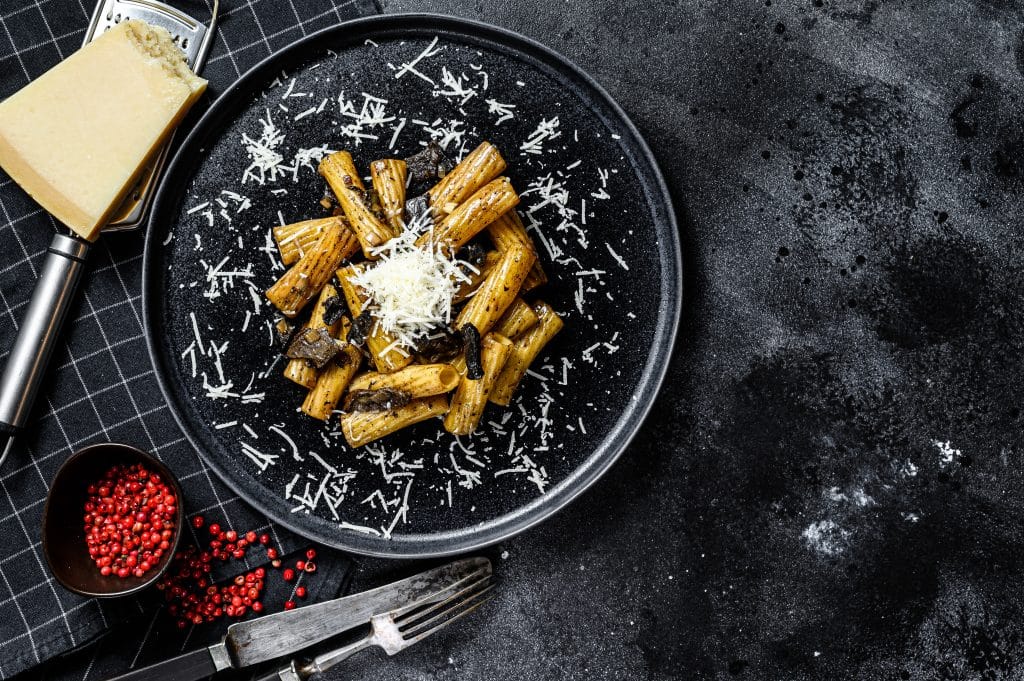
column 77, row 137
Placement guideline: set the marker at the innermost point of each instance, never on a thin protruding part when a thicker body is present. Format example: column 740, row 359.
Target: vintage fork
column 395, row 630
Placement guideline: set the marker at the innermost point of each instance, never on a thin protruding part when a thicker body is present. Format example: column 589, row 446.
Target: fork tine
column 442, row 619
column 444, row 594
column 433, row 605
column 441, row 625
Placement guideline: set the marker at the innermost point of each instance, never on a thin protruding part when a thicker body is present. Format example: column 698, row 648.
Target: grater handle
column 39, row 333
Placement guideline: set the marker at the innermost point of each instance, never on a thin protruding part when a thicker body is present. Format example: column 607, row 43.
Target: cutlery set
column 400, row 614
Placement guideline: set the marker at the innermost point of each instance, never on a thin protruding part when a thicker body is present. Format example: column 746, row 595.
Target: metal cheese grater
column 65, row 259
column 194, row 39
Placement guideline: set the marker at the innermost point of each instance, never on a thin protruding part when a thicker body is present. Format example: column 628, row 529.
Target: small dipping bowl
column 63, row 528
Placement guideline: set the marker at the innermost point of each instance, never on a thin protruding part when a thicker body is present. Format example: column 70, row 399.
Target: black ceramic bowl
column 63, row 532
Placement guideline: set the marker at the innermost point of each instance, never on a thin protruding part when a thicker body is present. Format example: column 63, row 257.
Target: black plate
column 618, row 347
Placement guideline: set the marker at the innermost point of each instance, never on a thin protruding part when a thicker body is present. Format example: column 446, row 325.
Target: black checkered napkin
column 101, row 385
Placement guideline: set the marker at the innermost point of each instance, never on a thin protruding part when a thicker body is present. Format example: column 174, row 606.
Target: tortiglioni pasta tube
column 294, row 240
column 388, row 177
column 470, row 398
column 333, row 379
column 482, row 165
column 479, row 210
column 498, row 290
column 524, row 352
column 298, row 285
column 419, row 380
column 362, row 427
column 340, row 173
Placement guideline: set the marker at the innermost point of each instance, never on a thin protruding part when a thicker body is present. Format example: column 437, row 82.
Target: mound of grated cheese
column 409, row 290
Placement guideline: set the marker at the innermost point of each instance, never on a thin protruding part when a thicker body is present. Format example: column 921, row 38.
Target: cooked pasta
column 294, row 240
column 300, row 370
column 310, row 274
column 389, row 177
column 340, row 173
column 444, row 325
column 334, row 379
column 498, row 289
column 361, row 427
column 525, row 351
column 481, row 166
column 470, row 398
column 466, row 221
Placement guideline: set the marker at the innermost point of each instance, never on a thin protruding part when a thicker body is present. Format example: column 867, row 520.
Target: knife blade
column 284, row 633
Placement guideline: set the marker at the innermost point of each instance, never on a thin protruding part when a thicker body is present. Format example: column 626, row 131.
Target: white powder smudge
column 908, row 469
column 856, row 496
column 861, row 498
column 825, row 537
column 947, row 454
column 835, row 494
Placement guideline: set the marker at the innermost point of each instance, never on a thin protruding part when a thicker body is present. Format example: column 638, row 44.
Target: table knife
column 284, row 633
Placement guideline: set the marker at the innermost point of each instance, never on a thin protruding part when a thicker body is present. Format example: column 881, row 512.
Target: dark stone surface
column 849, row 175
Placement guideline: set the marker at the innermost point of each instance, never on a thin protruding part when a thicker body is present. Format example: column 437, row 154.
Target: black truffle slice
column 313, row 345
column 471, row 341
column 428, row 165
column 384, row 399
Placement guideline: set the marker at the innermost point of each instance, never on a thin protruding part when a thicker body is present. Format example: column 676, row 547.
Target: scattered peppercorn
column 193, row 600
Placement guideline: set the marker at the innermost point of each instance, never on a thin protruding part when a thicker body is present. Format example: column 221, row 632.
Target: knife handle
column 192, row 666
column 303, row 670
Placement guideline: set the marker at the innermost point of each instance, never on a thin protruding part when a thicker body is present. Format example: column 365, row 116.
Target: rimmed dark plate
column 600, row 211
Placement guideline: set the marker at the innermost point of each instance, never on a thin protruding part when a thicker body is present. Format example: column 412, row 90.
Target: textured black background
column 849, row 175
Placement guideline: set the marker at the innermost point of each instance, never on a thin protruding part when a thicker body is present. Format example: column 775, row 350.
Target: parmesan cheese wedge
column 77, row 137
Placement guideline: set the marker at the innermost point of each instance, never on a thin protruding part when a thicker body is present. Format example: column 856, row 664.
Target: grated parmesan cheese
column 265, row 159
column 410, row 289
